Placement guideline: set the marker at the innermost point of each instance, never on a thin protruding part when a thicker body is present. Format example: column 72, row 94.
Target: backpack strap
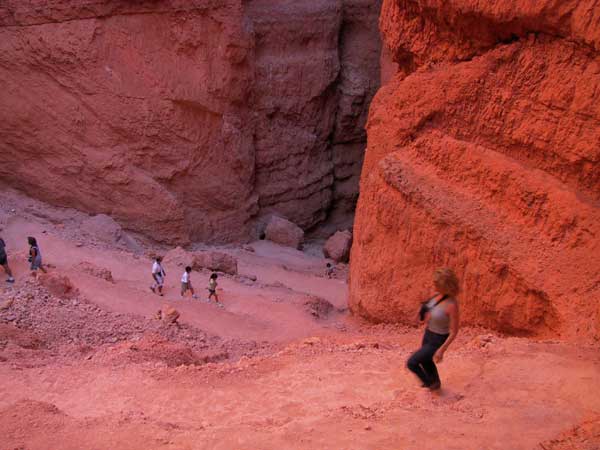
column 444, row 297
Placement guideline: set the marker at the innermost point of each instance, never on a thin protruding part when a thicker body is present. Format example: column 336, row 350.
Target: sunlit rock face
column 484, row 155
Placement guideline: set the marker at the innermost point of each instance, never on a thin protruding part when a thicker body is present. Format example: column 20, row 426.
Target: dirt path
column 329, row 382
column 270, row 311
column 329, row 394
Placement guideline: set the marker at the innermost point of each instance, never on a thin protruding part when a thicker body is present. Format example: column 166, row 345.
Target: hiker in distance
column 158, row 274
column 35, row 256
column 4, row 262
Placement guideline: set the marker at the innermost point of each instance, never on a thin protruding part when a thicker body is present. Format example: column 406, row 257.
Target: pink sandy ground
column 331, row 383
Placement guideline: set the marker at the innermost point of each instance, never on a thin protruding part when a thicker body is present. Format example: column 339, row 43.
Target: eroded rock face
column 130, row 109
column 484, row 155
column 188, row 120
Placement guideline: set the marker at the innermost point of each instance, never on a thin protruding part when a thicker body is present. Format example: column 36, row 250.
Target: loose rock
column 284, row 232
column 338, row 246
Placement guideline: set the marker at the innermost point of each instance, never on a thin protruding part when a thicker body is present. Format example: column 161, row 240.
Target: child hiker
column 212, row 289
column 186, row 284
column 35, row 257
column 329, row 271
column 158, row 273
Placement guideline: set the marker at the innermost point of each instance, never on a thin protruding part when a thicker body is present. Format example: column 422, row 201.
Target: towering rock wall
column 187, row 120
column 357, row 83
column 135, row 109
column 297, row 66
column 484, row 155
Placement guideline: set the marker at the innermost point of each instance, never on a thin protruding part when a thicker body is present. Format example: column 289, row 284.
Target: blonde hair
column 446, row 282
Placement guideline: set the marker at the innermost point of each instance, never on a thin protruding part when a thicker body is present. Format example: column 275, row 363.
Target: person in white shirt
column 186, row 284
column 158, row 273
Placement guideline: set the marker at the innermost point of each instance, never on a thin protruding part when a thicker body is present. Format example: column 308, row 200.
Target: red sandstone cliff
column 188, row 120
column 484, row 155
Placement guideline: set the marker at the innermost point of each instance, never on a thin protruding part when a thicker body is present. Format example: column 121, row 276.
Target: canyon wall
column 188, row 120
column 484, row 155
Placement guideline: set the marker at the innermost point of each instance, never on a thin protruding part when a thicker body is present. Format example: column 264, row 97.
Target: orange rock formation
column 188, row 119
column 484, row 155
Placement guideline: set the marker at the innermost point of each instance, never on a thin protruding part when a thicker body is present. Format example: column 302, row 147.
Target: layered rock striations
column 484, row 155
column 316, row 71
column 187, row 120
column 136, row 110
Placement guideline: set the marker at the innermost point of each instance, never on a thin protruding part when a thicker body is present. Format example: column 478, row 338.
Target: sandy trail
column 327, row 395
column 251, row 312
column 346, row 388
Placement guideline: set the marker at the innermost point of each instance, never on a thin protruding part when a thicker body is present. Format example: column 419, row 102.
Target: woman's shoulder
column 451, row 304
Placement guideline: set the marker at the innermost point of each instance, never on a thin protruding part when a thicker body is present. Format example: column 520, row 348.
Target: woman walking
column 442, row 322
column 35, row 256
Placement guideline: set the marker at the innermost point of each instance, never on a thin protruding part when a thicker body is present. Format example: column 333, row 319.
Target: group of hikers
column 159, row 274
column 34, row 258
column 440, row 313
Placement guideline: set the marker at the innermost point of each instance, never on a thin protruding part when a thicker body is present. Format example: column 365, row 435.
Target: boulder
column 178, row 257
column 338, row 246
column 169, row 314
column 215, row 261
column 58, row 285
column 7, row 304
column 96, row 271
column 106, row 229
column 318, row 307
column 210, row 260
column 102, row 227
column 284, row 232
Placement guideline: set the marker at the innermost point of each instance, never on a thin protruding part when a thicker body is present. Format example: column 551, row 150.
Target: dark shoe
column 436, row 385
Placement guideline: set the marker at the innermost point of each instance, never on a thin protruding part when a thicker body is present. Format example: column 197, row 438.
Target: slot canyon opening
column 191, row 125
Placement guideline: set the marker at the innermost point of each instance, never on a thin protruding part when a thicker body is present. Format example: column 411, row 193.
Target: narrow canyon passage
column 318, row 160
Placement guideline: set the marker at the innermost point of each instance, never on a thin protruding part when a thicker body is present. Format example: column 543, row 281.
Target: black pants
column 421, row 362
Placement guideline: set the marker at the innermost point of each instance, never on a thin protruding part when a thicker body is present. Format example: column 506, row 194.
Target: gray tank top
column 38, row 255
column 439, row 320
